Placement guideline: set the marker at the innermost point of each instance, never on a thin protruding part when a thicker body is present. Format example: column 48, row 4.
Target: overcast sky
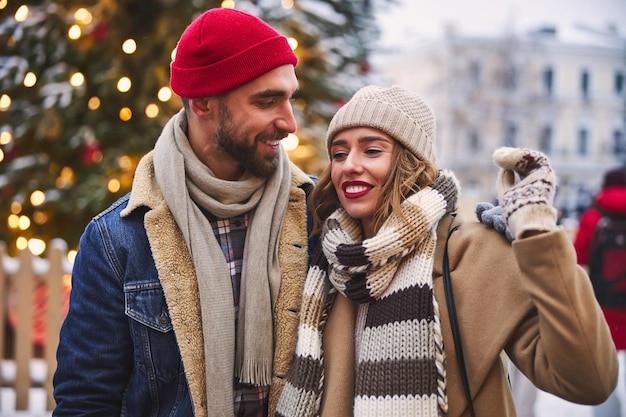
column 421, row 19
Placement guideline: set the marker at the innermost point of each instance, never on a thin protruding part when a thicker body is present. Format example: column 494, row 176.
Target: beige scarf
column 188, row 185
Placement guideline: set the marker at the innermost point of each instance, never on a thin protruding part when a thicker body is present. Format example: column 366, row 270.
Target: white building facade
column 567, row 99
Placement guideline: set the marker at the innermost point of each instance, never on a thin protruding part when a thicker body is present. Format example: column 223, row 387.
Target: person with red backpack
column 609, row 206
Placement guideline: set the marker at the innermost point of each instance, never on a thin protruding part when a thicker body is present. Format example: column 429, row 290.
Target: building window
column 475, row 71
column 510, row 134
column 510, row 78
column 619, row 143
column 618, row 84
column 583, row 142
column 584, row 83
column 545, row 141
column 548, row 81
column 473, row 141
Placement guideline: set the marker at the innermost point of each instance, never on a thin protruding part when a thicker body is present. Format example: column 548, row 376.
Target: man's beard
column 241, row 151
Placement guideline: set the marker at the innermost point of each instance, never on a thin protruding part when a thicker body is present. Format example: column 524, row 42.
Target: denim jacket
column 132, row 343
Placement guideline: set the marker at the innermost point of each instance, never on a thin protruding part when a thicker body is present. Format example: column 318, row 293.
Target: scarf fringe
column 256, row 373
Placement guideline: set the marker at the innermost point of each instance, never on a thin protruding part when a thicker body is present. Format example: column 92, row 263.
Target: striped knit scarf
column 400, row 369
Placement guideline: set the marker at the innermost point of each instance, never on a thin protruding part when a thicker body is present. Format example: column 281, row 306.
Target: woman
column 375, row 337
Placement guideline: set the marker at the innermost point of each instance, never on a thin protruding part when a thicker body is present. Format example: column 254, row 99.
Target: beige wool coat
column 529, row 300
column 178, row 279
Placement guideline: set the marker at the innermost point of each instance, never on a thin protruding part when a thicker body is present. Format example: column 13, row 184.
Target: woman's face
column 361, row 157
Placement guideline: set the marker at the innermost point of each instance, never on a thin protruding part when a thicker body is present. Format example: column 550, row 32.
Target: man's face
column 232, row 141
column 254, row 118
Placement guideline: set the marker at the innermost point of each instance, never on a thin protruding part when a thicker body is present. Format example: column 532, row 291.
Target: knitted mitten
column 528, row 203
column 491, row 216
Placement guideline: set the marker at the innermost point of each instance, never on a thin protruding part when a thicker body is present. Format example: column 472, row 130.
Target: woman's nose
column 352, row 163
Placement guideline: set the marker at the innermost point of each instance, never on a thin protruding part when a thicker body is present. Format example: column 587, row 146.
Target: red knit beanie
column 224, row 49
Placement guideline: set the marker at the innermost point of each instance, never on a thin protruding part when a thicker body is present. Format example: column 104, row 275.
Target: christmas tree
column 85, row 93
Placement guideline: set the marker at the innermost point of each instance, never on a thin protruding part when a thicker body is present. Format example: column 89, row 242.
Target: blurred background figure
column 609, row 203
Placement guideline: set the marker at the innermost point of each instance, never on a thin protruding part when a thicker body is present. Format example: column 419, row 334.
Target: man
column 186, row 292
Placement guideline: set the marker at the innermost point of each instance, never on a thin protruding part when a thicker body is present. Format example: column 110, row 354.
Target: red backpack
column 607, row 260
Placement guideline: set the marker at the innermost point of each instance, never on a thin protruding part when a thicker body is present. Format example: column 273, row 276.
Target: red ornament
column 339, row 104
column 100, row 31
column 364, row 68
column 91, row 154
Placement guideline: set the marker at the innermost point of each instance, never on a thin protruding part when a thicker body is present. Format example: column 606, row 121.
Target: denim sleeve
column 95, row 356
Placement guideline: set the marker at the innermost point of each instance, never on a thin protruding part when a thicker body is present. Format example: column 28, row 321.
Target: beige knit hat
column 396, row 111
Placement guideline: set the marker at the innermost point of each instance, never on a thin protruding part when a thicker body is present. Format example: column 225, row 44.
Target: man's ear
column 202, row 107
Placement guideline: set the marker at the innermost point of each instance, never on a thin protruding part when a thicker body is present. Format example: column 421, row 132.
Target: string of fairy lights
column 83, row 18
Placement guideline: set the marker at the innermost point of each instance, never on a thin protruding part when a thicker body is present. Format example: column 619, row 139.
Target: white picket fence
column 26, row 373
